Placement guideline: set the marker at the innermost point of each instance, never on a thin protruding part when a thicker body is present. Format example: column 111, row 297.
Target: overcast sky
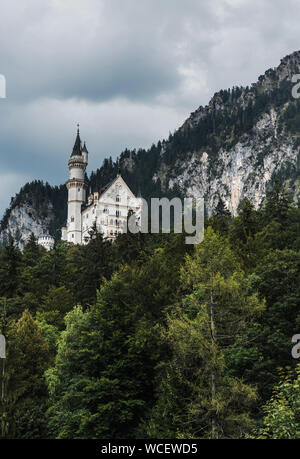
column 129, row 71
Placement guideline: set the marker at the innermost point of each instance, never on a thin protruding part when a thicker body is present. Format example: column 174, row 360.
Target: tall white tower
column 76, row 190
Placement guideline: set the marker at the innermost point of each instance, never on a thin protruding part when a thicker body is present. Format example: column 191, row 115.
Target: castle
column 107, row 208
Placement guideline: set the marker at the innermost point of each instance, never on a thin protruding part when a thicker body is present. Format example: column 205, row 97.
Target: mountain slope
column 230, row 149
column 240, row 142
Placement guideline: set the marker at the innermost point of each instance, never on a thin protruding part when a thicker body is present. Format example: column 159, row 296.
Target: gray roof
column 77, row 149
column 84, row 148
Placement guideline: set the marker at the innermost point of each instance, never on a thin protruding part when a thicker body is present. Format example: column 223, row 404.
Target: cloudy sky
column 129, row 71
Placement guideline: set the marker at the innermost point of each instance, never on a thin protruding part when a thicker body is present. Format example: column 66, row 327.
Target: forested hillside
column 150, row 337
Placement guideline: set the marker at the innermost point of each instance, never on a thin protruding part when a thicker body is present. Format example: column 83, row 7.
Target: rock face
column 246, row 170
column 24, row 220
column 231, row 149
column 38, row 208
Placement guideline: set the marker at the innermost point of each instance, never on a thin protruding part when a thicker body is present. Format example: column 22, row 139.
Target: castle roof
column 84, row 148
column 77, row 149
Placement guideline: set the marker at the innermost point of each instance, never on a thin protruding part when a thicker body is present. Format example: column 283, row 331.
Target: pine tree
column 198, row 396
column 28, row 356
column 10, row 258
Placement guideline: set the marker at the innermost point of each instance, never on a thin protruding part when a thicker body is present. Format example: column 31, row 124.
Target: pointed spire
column 84, row 148
column 77, row 149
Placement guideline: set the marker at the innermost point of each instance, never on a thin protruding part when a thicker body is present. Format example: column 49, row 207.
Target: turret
column 85, row 154
column 46, row 241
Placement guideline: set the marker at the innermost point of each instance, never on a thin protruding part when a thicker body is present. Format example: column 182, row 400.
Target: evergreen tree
column 282, row 412
column 277, row 203
column 198, row 396
column 55, row 305
column 243, row 235
column 10, row 258
column 28, row 356
column 277, row 279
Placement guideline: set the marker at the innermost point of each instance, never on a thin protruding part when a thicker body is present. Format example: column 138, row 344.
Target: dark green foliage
column 10, row 258
column 277, row 279
column 22, row 410
column 122, row 330
column 282, row 412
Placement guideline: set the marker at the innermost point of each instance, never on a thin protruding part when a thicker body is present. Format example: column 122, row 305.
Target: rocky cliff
column 245, row 170
column 38, row 208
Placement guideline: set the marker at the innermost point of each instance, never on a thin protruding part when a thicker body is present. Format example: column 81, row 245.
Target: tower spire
column 77, row 149
column 84, row 148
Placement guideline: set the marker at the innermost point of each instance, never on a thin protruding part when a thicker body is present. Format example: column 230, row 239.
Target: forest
column 151, row 338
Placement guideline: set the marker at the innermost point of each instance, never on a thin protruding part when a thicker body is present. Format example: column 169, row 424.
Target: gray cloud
column 129, row 71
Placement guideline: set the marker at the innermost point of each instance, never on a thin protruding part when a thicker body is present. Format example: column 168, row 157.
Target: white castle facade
column 107, row 208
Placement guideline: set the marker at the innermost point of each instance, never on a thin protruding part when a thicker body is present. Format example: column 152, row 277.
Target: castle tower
column 76, row 190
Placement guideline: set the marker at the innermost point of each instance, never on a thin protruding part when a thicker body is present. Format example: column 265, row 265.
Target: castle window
column 87, row 215
column 118, row 213
column 72, row 219
column 72, row 235
column 111, row 222
column 118, row 198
